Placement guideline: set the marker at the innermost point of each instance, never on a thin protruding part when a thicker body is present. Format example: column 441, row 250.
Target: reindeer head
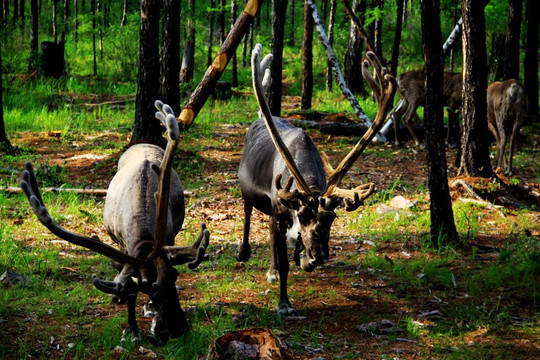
column 315, row 211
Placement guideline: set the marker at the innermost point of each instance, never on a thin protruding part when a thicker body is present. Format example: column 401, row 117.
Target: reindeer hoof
column 148, row 309
column 286, row 310
column 132, row 334
column 272, row 276
column 244, row 253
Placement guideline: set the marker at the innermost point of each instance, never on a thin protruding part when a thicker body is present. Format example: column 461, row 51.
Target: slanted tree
column 353, row 55
column 442, row 228
column 511, row 48
column 147, row 128
column 331, row 22
column 474, row 157
column 278, row 28
column 188, row 57
column 170, row 55
column 530, row 63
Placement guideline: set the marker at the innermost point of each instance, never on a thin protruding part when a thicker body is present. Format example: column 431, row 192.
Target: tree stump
column 256, row 343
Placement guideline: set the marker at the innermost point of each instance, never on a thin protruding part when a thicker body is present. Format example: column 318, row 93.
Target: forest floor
column 412, row 316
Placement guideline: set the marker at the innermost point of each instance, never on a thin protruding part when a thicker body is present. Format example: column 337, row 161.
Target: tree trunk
column 100, row 18
column 353, row 56
column 4, row 141
column 331, row 41
column 147, row 128
column 292, row 28
column 278, row 27
column 397, row 37
column 474, row 157
column 443, row 230
column 54, row 22
column 170, row 55
column 511, row 49
column 21, row 14
column 453, row 50
column 307, row 59
column 234, row 66
column 124, row 14
column 16, row 11
column 34, row 38
column 495, row 67
column 188, row 58
column 93, row 11
column 76, row 23
column 376, row 28
column 245, row 44
column 210, row 33
column 221, row 34
column 530, row 64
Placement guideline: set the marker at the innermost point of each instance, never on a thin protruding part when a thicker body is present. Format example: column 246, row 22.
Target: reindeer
column 411, row 87
column 506, row 109
column 275, row 149
column 144, row 210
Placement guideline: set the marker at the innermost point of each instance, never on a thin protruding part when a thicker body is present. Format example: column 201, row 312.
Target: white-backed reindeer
column 274, row 149
column 506, row 109
column 144, row 210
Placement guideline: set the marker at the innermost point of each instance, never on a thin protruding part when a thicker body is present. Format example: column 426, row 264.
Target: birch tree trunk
column 307, row 59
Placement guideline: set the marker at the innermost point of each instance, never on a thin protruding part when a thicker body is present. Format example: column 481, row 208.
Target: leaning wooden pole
column 336, row 70
column 215, row 70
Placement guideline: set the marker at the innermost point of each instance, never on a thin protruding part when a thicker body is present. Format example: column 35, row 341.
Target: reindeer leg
column 131, row 331
column 244, row 251
column 502, row 140
column 512, row 137
column 407, row 120
column 272, row 274
column 279, row 228
column 397, row 117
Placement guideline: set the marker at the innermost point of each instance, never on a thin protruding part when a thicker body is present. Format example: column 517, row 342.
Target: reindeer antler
column 31, row 190
column 267, row 116
column 384, row 95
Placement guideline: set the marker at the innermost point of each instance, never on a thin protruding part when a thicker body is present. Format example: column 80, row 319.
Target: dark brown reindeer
column 144, row 210
column 274, row 149
column 506, row 109
column 411, row 87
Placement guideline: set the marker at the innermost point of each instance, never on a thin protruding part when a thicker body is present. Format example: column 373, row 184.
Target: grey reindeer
column 144, row 210
column 275, row 149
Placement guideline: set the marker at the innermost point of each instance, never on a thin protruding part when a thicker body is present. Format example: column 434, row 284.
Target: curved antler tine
column 370, row 80
column 265, row 62
column 194, row 254
column 203, row 240
column 108, row 287
column 30, row 177
column 266, row 79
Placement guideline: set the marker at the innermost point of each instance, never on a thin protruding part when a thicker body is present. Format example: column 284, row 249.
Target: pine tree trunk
column 76, row 17
column 234, row 66
column 188, row 57
column 147, row 128
column 278, row 28
column 397, row 37
column 21, row 14
column 292, row 28
column 16, row 11
column 210, row 33
column 221, row 19
column 124, row 14
column 93, row 11
column 443, row 230
column 511, row 53
column 34, row 36
column 353, row 56
column 4, row 141
column 530, row 64
column 245, row 44
column 54, row 22
column 307, row 59
column 170, row 55
column 474, row 157
column 331, row 41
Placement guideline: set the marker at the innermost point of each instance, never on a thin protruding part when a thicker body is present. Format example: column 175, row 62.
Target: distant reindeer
column 275, row 149
column 506, row 109
column 144, row 210
column 411, row 87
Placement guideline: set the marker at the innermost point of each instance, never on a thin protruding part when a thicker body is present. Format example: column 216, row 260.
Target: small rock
column 240, row 350
column 399, row 202
column 384, row 209
column 376, row 327
column 9, row 278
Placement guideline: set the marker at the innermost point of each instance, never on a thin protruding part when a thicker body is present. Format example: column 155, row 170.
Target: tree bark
column 331, row 22
column 54, row 22
column 278, row 28
column 188, row 57
column 474, row 157
column 210, row 33
column 442, row 229
column 292, row 29
column 34, row 36
column 16, row 11
column 307, row 59
column 234, row 66
column 93, row 11
column 170, row 55
column 511, row 49
column 397, row 36
column 4, row 141
column 530, row 64
column 21, row 14
column 124, row 14
column 147, row 128
column 76, row 18
column 353, row 56
column 221, row 20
